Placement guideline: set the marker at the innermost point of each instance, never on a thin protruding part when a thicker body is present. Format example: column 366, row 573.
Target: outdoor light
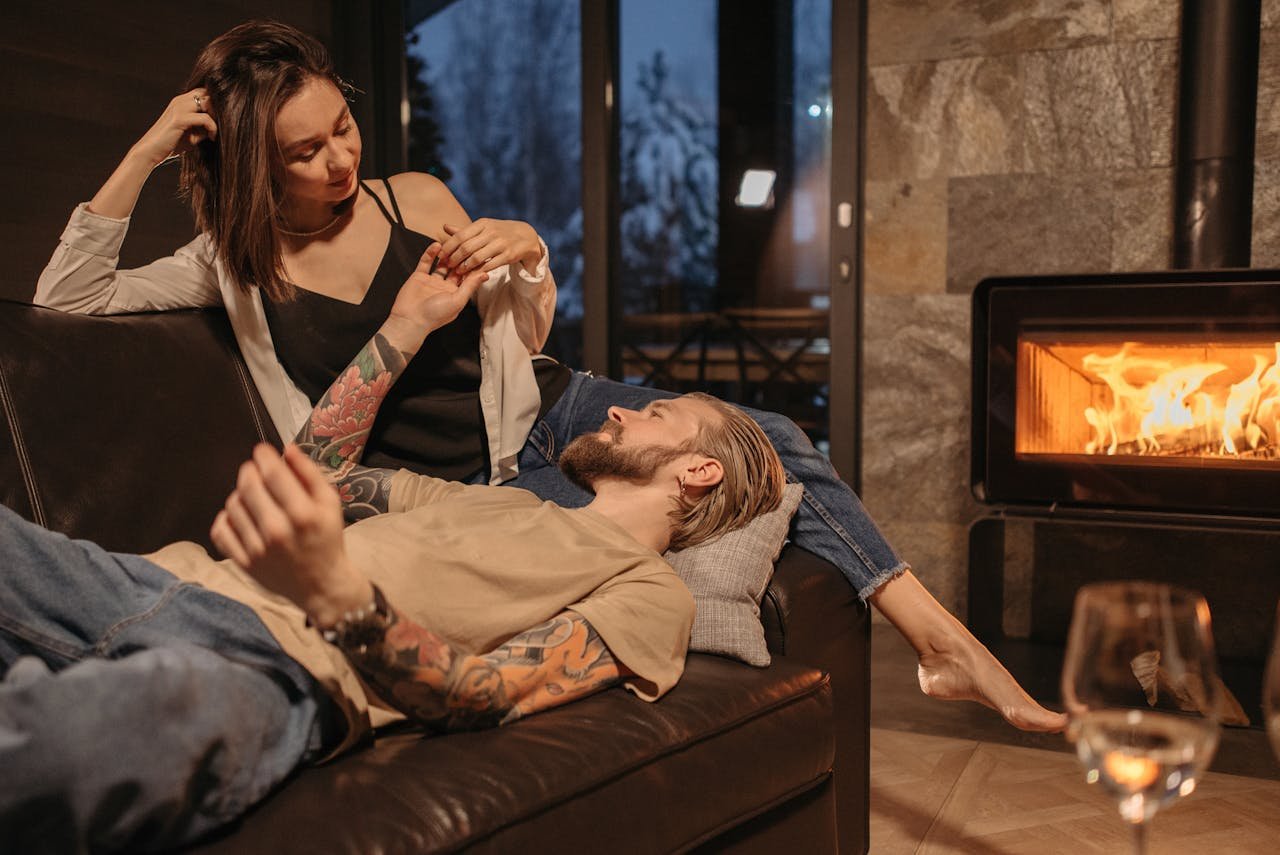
column 756, row 190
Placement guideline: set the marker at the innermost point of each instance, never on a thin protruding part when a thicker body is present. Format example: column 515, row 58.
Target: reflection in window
column 495, row 112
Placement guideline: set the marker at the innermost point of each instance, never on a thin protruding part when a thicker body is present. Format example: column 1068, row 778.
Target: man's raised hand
column 283, row 524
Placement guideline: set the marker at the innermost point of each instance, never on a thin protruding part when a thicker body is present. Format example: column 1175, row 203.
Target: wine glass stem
column 1139, row 838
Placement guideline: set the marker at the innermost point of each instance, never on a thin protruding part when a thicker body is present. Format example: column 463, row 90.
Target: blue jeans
column 136, row 711
column 831, row 521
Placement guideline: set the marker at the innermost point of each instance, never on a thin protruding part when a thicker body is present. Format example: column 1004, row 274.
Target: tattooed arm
column 336, row 433
column 282, row 524
column 338, row 430
column 436, row 684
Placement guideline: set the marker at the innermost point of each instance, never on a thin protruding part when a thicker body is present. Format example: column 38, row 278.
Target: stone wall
column 1006, row 137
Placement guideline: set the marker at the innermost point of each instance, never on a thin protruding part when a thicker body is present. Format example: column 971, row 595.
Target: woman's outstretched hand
column 429, row 300
column 184, row 123
column 487, row 245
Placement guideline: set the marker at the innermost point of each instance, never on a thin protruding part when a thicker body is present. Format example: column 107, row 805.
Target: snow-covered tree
column 506, row 79
column 425, row 138
column 669, row 226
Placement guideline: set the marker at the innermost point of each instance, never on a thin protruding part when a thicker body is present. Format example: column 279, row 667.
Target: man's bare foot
column 953, row 665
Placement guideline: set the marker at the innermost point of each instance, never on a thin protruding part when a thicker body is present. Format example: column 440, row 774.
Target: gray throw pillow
column 727, row 578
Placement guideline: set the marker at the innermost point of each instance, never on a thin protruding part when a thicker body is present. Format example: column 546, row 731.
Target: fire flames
column 1166, row 406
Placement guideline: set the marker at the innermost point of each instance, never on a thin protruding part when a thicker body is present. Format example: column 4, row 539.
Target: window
column 495, row 112
column 711, row 292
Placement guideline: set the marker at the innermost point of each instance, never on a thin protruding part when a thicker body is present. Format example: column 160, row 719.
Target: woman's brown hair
column 250, row 71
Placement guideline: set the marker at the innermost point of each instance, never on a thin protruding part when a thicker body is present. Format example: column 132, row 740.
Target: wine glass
column 1142, row 694
column 1271, row 691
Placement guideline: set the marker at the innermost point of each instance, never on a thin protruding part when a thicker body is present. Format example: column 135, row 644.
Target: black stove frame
column 1219, row 302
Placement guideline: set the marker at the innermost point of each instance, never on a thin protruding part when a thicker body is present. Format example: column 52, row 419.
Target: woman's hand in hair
column 487, row 245
column 184, row 123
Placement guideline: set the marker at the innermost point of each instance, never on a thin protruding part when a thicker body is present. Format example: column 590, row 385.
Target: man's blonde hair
column 752, row 483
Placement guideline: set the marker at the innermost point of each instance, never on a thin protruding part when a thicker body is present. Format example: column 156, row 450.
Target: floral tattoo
column 338, row 430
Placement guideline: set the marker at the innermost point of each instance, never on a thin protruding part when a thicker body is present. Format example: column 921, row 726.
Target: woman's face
column 319, row 144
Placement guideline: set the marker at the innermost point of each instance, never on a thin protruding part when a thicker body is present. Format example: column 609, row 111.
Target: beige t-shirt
column 477, row 565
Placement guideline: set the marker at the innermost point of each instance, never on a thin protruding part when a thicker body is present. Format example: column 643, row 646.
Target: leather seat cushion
column 610, row 773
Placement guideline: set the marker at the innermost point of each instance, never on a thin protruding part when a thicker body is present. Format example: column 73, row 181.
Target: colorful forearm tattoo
column 338, row 430
column 435, row 683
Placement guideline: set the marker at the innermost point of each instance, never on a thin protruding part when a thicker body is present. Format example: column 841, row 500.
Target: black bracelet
column 358, row 630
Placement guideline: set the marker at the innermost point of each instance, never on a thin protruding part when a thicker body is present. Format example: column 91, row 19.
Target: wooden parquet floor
column 952, row 778
column 934, row 794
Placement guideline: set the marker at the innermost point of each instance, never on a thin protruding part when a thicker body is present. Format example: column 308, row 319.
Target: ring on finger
column 199, row 103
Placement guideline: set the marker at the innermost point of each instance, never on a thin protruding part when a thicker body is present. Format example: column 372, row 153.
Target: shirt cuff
column 540, row 272
column 94, row 233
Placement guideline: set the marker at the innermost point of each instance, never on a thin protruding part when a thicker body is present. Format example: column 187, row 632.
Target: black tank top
column 431, row 421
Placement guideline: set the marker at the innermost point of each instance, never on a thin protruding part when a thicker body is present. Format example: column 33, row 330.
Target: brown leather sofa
column 128, row 431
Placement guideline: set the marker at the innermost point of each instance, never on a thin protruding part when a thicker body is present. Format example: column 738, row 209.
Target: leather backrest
column 126, row 430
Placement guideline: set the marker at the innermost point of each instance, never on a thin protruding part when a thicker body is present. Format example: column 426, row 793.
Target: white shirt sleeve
column 533, row 303
column 82, row 275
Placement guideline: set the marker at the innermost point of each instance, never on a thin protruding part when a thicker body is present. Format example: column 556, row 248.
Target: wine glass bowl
column 1142, row 693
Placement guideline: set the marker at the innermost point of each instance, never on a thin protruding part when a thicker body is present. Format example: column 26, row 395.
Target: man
column 148, row 700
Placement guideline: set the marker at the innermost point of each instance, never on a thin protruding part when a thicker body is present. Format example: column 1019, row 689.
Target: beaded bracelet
column 359, row 629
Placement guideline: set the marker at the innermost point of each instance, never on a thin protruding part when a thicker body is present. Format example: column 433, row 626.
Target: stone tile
column 1266, row 213
column 915, row 471
column 938, row 554
column 1267, row 136
column 1146, row 19
column 913, row 30
column 1270, row 13
column 1103, row 107
column 1142, row 219
column 1027, row 224
column 916, row 407
column 1148, row 72
column 957, row 117
column 905, row 242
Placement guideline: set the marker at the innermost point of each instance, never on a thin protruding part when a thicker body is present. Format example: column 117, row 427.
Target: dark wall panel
column 82, row 81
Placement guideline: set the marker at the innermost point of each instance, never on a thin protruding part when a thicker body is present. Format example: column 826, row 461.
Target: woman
column 270, row 156
column 308, row 259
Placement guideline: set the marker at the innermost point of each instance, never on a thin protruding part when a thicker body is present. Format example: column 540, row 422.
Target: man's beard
column 589, row 459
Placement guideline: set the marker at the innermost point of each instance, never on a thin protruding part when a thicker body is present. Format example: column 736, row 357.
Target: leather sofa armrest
column 810, row 608
column 812, row 614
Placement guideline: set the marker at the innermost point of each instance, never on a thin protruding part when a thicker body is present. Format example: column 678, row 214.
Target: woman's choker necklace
column 323, row 228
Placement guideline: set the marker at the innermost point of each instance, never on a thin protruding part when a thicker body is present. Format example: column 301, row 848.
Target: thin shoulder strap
column 394, row 206
column 381, row 207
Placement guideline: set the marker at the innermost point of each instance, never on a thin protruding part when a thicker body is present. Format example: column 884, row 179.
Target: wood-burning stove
column 1126, row 426
column 1153, row 392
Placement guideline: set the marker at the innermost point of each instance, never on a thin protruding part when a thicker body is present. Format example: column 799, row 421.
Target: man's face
column 634, row 444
